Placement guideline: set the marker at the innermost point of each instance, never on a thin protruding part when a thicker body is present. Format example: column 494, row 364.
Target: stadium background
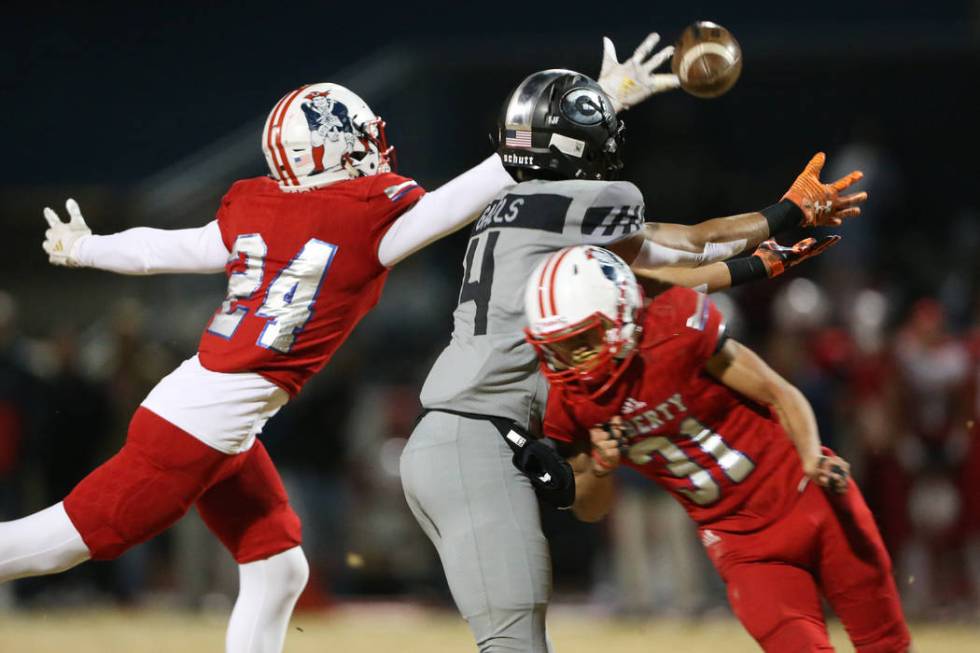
column 145, row 115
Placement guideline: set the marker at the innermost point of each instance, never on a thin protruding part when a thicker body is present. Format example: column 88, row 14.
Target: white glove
column 61, row 239
column 629, row 83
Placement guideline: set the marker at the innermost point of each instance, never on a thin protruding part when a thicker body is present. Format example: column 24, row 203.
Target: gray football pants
column 482, row 515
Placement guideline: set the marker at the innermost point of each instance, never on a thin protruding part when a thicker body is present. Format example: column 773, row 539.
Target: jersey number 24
column 289, row 299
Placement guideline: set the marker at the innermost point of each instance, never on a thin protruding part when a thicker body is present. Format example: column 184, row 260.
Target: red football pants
column 160, row 472
column 829, row 545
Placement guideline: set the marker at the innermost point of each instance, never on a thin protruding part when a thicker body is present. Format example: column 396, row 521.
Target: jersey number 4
column 476, row 287
column 289, row 299
column 704, row 488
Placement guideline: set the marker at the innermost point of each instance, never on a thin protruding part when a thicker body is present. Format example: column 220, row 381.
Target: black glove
column 550, row 474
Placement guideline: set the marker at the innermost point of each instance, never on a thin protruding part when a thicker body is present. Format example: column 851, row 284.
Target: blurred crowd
column 894, row 379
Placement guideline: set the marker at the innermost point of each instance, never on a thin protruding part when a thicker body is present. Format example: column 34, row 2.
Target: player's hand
column 61, row 239
column 829, row 472
column 822, row 204
column 607, row 446
column 634, row 80
column 778, row 258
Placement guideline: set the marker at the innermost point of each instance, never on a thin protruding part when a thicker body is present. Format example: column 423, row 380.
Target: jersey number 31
column 289, row 299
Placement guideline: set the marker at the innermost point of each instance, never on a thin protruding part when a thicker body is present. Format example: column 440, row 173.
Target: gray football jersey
column 488, row 368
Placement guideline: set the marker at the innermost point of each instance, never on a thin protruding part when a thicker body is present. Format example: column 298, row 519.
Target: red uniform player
column 306, row 252
column 662, row 390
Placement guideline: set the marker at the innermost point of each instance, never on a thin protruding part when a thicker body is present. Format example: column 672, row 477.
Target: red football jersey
column 303, row 271
column 725, row 458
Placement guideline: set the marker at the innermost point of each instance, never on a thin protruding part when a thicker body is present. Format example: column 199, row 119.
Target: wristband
column 747, row 268
column 599, row 467
column 782, row 216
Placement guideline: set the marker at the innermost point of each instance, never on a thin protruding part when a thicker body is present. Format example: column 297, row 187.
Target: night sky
column 105, row 93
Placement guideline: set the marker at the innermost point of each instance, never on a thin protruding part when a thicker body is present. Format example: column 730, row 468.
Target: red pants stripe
column 827, row 545
column 161, row 472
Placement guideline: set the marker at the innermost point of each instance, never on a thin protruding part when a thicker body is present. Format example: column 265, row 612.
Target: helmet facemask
column 590, row 354
column 374, row 141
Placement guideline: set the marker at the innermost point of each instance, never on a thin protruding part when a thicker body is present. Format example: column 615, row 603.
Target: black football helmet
column 559, row 124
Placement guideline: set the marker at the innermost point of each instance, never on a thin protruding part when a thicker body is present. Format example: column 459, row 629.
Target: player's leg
column 146, row 487
column 43, row 543
column 770, row 581
column 250, row 513
column 779, row 605
column 482, row 515
column 856, row 575
column 137, row 493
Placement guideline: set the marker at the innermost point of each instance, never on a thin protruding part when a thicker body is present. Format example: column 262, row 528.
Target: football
column 707, row 59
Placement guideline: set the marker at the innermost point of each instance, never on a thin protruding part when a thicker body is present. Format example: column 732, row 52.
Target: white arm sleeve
column 655, row 255
column 143, row 250
column 446, row 209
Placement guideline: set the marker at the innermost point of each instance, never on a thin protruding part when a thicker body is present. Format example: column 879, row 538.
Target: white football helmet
column 322, row 133
column 582, row 305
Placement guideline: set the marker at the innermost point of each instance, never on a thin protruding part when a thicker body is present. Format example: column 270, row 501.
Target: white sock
column 267, row 592
column 43, row 543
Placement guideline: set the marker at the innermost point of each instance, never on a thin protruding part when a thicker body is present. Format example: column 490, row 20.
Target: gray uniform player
column 476, row 507
column 559, row 133
column 484, row 370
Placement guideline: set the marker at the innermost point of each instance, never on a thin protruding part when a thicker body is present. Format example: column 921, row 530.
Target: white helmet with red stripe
column 582, row 305
column 322, row 133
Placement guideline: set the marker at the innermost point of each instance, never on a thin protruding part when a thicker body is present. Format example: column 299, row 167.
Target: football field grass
column 405, row 630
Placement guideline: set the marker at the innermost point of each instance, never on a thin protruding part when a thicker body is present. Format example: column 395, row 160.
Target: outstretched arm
column 711, row 240
column 769, row 260
column 141, row 250
column 808, row 203
column 744, row 372
column 445, row 210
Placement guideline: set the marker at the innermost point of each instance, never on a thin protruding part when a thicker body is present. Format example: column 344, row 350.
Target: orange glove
column 778, row 258
column 822, row 204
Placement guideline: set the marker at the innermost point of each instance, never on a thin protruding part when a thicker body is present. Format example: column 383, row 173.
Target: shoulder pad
column 618, row 193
